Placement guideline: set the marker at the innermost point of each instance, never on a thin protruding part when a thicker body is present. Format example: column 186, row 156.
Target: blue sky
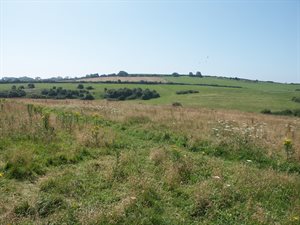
column 250, row 39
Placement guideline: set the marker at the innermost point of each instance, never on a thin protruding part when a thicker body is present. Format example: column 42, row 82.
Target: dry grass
column 100, row 166
column 196, row 123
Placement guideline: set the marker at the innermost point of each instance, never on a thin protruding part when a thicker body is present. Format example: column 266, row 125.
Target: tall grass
column 87, row 163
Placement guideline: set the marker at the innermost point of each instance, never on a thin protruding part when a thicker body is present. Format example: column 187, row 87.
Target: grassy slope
column 91, row 170
column 253, row 97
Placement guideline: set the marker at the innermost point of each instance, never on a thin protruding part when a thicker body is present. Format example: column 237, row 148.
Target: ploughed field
column 122, row 162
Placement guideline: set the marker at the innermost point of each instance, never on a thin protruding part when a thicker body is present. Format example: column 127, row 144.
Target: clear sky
column 250, row 39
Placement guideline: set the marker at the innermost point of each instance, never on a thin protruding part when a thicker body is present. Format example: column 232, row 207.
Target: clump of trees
column 93, row 75
column 296, row 99
column 15, row 92
column 186, row 92
column 123, row 74
column 129, row 94
column 60, row 93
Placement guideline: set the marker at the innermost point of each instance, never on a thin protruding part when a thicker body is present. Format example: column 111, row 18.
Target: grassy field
column 97, row 162
column 213, row 161
column 252, row 97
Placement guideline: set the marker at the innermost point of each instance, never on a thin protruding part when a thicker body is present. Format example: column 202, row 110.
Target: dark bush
column 89, row 88
column 186, row 92
column 176, row 104
column 89, row 97
column 60, row 93
column 286, row 112
column 266, row 111
column 31, row 85
column 80, row 86
column 296, row 99
column 129, row 94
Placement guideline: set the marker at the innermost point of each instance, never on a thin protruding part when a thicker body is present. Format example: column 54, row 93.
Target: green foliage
column 186, row 92
column 266, row 111
column 89, row 88
column 80, row 86
column 31, row 85
column 13, row 93
column 286, row 112
column 296, row 99
column 60, row 93
column 129, row 94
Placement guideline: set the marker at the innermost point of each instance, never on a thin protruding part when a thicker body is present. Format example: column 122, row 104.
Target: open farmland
column 251, row 97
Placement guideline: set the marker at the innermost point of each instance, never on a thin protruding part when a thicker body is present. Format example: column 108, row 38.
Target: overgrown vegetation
column 130, row 94
column 72, row 165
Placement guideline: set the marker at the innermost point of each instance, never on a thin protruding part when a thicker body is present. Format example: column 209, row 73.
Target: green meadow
column 251, row 97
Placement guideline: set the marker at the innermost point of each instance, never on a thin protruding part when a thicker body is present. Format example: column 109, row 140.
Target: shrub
column 60, row 93
column 186, row 92
column 31, row 85
column 89, row 88
column 286, row 112
column 129, row 94
column 88, row 97
column 296, row 99
column 266, row 111
column 176, row 104
column 80, row 86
